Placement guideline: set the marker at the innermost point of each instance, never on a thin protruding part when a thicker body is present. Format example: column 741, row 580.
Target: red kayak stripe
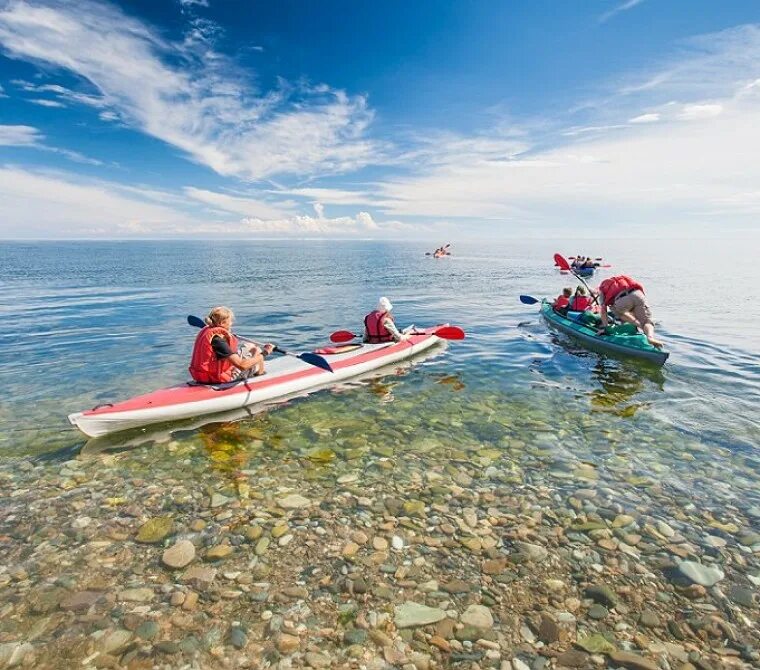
column 182, row 393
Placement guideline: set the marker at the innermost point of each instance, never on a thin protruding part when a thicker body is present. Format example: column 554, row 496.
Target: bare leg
column 628, row 317
column 649, row 333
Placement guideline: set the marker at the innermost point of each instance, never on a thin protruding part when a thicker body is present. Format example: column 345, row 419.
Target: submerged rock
column 411, row 614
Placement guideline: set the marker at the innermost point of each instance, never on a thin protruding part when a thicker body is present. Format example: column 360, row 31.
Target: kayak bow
column 285, row 377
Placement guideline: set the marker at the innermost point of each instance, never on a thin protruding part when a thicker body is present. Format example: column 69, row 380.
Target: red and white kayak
column 286, row 376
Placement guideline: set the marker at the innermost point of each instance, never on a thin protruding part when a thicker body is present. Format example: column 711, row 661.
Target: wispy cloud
column 189, row 95
column 682, row 148
column 64, row 205
column 624, row 7
column 20, row 136
column 30, row 137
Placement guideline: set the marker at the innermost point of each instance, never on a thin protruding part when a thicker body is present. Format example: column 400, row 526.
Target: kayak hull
column 286, row 377
column 602, row 344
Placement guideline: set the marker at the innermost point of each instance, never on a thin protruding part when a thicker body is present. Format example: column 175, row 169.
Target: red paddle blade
column 450, row 333
column 561, row 262
column 342, row 336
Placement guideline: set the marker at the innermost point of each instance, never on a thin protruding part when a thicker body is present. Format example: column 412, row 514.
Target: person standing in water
column 625, row 297
column 379, row 325
column 218, row 357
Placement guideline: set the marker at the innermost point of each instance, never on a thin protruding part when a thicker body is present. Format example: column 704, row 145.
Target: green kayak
column 622, row 340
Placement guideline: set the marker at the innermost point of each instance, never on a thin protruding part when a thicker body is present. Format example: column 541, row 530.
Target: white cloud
column 20, row 136
column 330, row 196
column 49, row 204
column 700, row 158
column 696, row 112
column 247, row 207
column 190, row 96
column 645, row 118
column 46, row 103
column 624, row 7
column 191, row 3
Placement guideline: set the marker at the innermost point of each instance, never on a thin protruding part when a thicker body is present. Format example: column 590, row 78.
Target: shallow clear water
column 92, row 322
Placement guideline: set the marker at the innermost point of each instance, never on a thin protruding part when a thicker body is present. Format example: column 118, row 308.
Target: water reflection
column 619, row 384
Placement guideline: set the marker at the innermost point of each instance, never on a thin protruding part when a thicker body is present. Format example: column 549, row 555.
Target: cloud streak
column 190, row 96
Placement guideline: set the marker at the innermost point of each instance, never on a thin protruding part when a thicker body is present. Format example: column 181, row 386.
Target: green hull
column 634, row 346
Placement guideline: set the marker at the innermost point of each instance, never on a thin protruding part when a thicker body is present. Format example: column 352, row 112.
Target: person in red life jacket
column 379, row 325
column 581, row 301
column 562, row 301
column 218, row 357
column 625, row 297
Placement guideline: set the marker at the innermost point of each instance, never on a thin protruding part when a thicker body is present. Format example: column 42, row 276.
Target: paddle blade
column 528, row 300
column 195, row 321
column 449, row 333
column 561, row 262
column 342, row 336
column 315, row 359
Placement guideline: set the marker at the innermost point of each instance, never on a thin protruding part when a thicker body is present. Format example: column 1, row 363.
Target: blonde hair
column 218, row 315
column 567, row 292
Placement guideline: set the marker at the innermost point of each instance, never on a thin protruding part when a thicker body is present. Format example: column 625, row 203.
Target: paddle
column 444, row 332
column 307, row 357
column 528, row 300
column 562, row 263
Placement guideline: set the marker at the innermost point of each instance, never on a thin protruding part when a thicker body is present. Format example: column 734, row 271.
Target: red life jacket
column 375, row 329
column 205, row 367
column 612, row 287
column 580, row 303
column 560, row 302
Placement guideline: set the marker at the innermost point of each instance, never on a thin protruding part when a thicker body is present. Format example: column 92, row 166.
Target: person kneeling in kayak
column 379, row 325
column 217, row 355
column 562, row 301
column 625, row 297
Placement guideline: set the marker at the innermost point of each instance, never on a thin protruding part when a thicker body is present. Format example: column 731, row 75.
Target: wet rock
column 456, row 586
column 595, row 644
column 316, row 660
column 478, row 616
column 531, row 552
column 13, row 654
column 572, row 659
column 238, row 638
column 354, row 636
column 601, row 594
column 650, row 619
column 148, row 630
column 154, row 530
column 287, row 644
column 548, row 630
column 219, row 552
column 116, row 641
column 80, row 601
column 411, row 614
column 598, row 612
column 294, row 501
column 741, row 595
column 179, row 555
column 631, row 661
column 697, row 573
column 141, row 595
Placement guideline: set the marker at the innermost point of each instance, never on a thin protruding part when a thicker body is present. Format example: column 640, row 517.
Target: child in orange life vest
column 580, row 302
column 379, row 325
column 217, row 357
column 563, row 300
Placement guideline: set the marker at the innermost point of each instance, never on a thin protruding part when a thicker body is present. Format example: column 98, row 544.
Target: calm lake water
column 90, row 322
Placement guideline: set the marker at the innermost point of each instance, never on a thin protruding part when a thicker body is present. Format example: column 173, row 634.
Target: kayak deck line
column 285, row 376
column 636, row 346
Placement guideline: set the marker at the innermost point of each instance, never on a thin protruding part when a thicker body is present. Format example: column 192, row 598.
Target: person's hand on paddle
column 268, row 348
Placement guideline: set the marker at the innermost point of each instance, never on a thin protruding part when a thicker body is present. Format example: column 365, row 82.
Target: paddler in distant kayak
column 625, row 297
column 379, row 325
column 218, row 357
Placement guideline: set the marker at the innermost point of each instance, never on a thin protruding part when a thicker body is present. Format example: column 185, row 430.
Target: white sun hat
column 384, row 305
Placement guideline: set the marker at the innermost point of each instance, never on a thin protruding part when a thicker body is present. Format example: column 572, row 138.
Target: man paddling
column 218, row 357
column 379, row 325
column 625, row 297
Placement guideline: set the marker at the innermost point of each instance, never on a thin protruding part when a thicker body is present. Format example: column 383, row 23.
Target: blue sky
column 204, row 118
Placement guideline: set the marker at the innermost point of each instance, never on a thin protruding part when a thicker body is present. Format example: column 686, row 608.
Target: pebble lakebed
column 332, row 533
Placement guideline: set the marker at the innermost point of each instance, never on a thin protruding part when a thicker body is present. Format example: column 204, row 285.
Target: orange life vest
column 560, row 302
column 205, row 367
column 612, row 287
column 375, row 329
column 580, row 303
